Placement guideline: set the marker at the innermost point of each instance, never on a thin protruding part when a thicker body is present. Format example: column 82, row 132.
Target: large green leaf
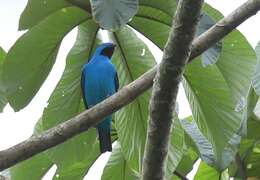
column 31, row 58
column 132, row 58
column 253, row 128
column 205, row 149
column 37, row 10
column 187, row 162
column 236, row 53
column 256, row 79
column 217, row 89
column 117, row 167
column 33, row 168
column 210, row 56
column 176, row 148
column 252, row 161
column 112, row 14
column 206, row 172
column 3, row 100
column 75, row 156
column 212, row 105
column 154, row 20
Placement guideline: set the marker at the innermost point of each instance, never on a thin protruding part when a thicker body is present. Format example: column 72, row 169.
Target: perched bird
column 99, row 80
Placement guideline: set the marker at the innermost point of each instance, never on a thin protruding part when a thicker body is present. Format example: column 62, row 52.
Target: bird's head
column 105, row 49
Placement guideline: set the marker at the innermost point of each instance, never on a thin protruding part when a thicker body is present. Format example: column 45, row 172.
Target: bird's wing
column 116, row 82
column 82, row 83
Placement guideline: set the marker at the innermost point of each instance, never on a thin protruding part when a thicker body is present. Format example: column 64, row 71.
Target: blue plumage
column 99, row 81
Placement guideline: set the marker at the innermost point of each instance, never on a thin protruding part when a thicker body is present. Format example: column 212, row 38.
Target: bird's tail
column 104, row 140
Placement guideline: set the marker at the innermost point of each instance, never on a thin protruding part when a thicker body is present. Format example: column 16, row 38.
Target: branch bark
column 165, row 88
column 91, row 117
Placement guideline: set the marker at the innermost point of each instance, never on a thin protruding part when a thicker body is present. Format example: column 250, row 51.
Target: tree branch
column 165, row 88
column 93, row 116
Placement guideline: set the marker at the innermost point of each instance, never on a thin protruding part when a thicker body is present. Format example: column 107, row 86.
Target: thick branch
column 165, row 88
column 83, row 121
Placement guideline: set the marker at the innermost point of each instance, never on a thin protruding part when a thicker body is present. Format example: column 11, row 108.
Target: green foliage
column 113, row 14
column 210, row 56
column 206, row 172
column 218, row 89
column 34, row 55
column 131, row 121
column 33, row 168
column 205, row 150
column 3, row 99
column 117, row 167
column 256, row 79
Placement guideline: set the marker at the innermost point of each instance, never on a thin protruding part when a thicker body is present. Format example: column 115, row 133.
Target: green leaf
column 250, row 153
column 211, row 55
column 225, row 85
column 236, row 53
column 206, row 172
column 117, row 167
column 36, row 10
column 34, row 55
column 154, row 20
column 113, row 14
column 76, row 155
column 205, row 149
column 256, row 79
column 188, row 160
column 176, row 148
column 36, row 166
column 253, row 128
column 253, row 162
column 211, row 105
column 33, row 168
column 3, row 100
column 132, row 58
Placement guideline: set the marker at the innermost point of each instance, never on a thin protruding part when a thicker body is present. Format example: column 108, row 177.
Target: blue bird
column 99, row 80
